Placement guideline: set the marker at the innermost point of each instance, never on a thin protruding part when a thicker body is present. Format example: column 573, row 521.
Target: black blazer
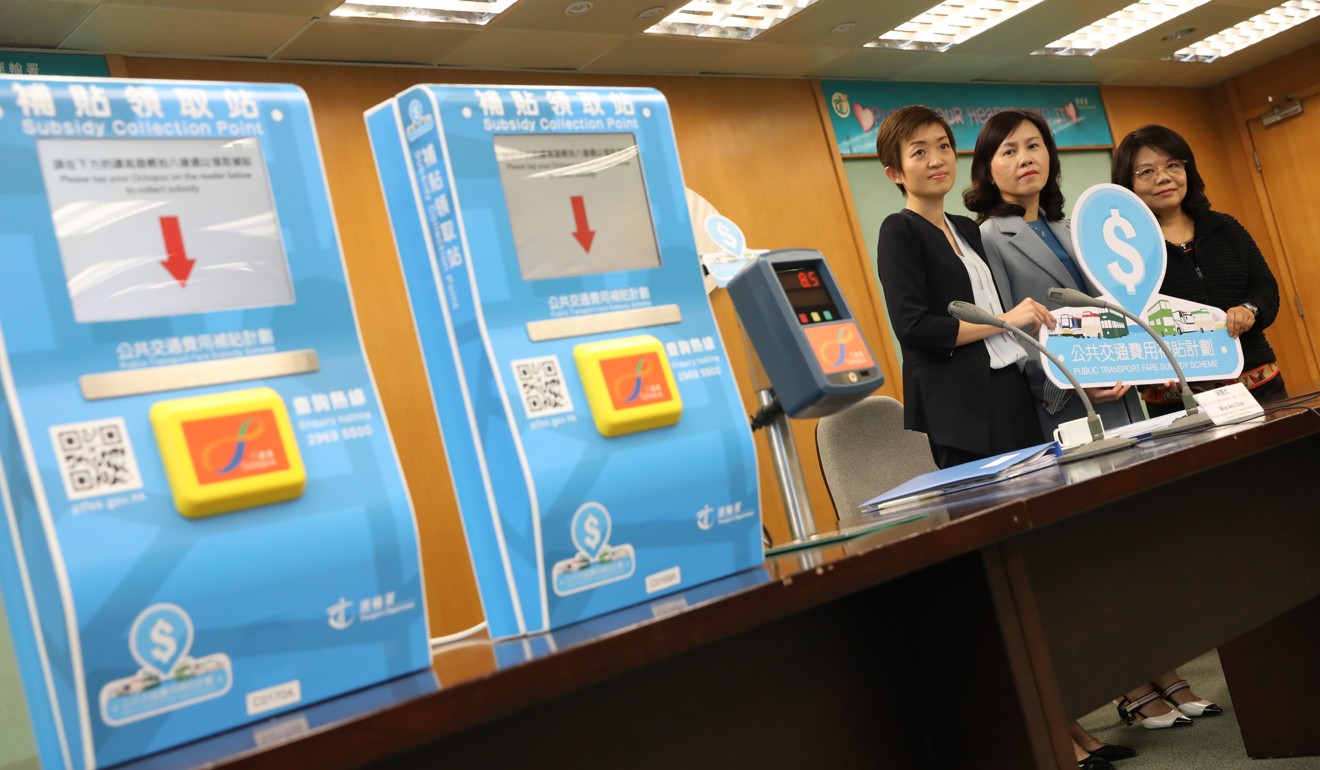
column 945, row 386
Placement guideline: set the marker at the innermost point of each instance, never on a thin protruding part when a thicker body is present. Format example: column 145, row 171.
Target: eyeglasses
column 1174, row 168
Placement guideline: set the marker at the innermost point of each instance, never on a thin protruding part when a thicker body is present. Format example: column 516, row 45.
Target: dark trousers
column 1012, row 416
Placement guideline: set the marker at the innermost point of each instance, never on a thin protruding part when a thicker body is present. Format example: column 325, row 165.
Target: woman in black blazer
column 962, row 383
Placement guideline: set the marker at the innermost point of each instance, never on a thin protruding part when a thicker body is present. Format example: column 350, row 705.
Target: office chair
column 864, row 452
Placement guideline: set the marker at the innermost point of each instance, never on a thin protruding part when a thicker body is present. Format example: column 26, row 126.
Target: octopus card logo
column 636, row 380
column 235, row 446
column 839, row 347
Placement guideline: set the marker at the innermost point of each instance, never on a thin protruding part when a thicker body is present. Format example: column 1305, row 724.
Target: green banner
column 1075, row 114
column 74, row 65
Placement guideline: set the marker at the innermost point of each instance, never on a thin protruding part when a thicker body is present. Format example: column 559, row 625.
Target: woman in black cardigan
column 1211, row 258
column 962, row 383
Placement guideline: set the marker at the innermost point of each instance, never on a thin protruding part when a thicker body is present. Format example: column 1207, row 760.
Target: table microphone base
column 1185, row 424
column 1093, row 448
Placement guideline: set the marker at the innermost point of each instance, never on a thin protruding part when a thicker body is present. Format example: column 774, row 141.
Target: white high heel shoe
column 1130, row 711
column 1196, row 708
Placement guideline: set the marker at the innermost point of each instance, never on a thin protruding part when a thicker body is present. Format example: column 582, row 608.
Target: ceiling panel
column 373, row 41
column 139, row 30
column 1063, row 69
column 871, row 19
column 951, row 67
column 611, row 38
column 873, row 64
column 304, row 8
column 791, row 61
column 38, row 23
column 524, row 49
column 607, row 17
column 662, row 54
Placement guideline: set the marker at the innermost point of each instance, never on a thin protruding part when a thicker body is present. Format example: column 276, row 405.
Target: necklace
column 1184, row 243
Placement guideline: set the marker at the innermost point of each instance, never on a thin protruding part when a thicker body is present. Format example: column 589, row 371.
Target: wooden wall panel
column 1205, row 118
column 758, row 150
column 1296, row 73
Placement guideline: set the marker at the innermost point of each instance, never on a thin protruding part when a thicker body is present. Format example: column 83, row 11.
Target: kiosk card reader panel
column 598, row 446
column 807, row 339
column 205, row 523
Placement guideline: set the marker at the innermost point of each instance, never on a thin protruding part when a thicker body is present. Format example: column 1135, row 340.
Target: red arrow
column 584, row 233
column 177, row 261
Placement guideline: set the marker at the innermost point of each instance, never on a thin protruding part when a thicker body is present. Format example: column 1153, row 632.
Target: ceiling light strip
column 460, row 11
column 1257, row 28
column 736, row 19
column 950, row 23
column 1119, row 26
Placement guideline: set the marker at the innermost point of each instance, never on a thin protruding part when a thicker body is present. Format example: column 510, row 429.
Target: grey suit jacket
column 1024, row 266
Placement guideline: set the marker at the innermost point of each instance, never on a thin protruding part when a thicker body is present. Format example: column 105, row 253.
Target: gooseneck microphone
column 1098, row 445
column 1196, row 417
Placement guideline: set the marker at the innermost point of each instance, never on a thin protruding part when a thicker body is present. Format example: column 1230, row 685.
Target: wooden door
column 1285, row 153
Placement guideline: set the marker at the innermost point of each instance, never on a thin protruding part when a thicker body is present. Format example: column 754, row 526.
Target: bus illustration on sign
column 1168, row 322
column 1200, row 320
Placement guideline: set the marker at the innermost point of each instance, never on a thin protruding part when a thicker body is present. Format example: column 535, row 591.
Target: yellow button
column 228, row 451
column 629, row 384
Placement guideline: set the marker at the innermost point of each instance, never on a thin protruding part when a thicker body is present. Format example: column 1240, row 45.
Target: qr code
column 541, row 383
column 95, row 458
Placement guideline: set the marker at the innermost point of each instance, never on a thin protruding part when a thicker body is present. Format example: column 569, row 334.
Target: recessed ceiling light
column 847, row 26
column 1119, row 26
column 949, row 24
column 461, row 11
column 736, row 19
column 578, row 8
column 652, row 12
column 1252, row 31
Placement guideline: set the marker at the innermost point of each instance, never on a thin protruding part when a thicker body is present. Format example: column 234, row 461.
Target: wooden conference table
column 966, row 638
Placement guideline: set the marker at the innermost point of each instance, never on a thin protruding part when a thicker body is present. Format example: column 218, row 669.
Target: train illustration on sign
column 1090, row 323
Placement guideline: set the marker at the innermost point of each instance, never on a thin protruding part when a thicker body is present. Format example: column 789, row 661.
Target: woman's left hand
column 1240, row 320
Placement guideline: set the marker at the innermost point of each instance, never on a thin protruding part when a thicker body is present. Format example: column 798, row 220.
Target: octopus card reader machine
column 808, row 341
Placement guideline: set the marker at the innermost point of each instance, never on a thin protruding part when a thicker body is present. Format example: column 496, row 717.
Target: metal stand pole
column 788, row 470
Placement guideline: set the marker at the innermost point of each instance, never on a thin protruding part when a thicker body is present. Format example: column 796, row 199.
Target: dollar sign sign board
column 1119, row 245
column 591, row 529
column 161, row 636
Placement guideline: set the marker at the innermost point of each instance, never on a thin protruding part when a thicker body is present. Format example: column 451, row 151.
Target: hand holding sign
column 1120, row 247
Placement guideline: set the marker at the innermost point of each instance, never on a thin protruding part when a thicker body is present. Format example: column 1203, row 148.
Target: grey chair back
column 864, row 451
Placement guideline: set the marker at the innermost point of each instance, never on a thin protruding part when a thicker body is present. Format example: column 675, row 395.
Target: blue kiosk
column 204, row 520
column 594, row 434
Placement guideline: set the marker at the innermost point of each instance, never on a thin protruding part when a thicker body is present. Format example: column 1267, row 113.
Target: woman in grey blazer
column 1028, row 244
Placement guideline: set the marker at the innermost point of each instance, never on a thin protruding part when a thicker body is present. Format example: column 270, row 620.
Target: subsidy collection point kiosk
column 204, row 520
column 597, row 445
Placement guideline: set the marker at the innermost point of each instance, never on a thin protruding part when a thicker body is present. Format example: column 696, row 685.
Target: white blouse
column 1004, row 348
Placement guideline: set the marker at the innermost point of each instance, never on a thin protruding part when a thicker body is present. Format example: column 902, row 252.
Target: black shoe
column 1094, row 763
column 1112, row 752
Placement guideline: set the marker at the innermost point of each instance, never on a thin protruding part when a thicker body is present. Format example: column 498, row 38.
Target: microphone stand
column 1099, row 444
column 1196, row 417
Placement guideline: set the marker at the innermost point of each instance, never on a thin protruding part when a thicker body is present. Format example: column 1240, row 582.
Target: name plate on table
column 1230, row 404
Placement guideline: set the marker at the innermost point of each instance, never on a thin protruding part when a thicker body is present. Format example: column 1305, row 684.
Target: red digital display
column 807, row 294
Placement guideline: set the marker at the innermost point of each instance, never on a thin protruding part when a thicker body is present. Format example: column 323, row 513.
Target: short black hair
column 901, row 124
